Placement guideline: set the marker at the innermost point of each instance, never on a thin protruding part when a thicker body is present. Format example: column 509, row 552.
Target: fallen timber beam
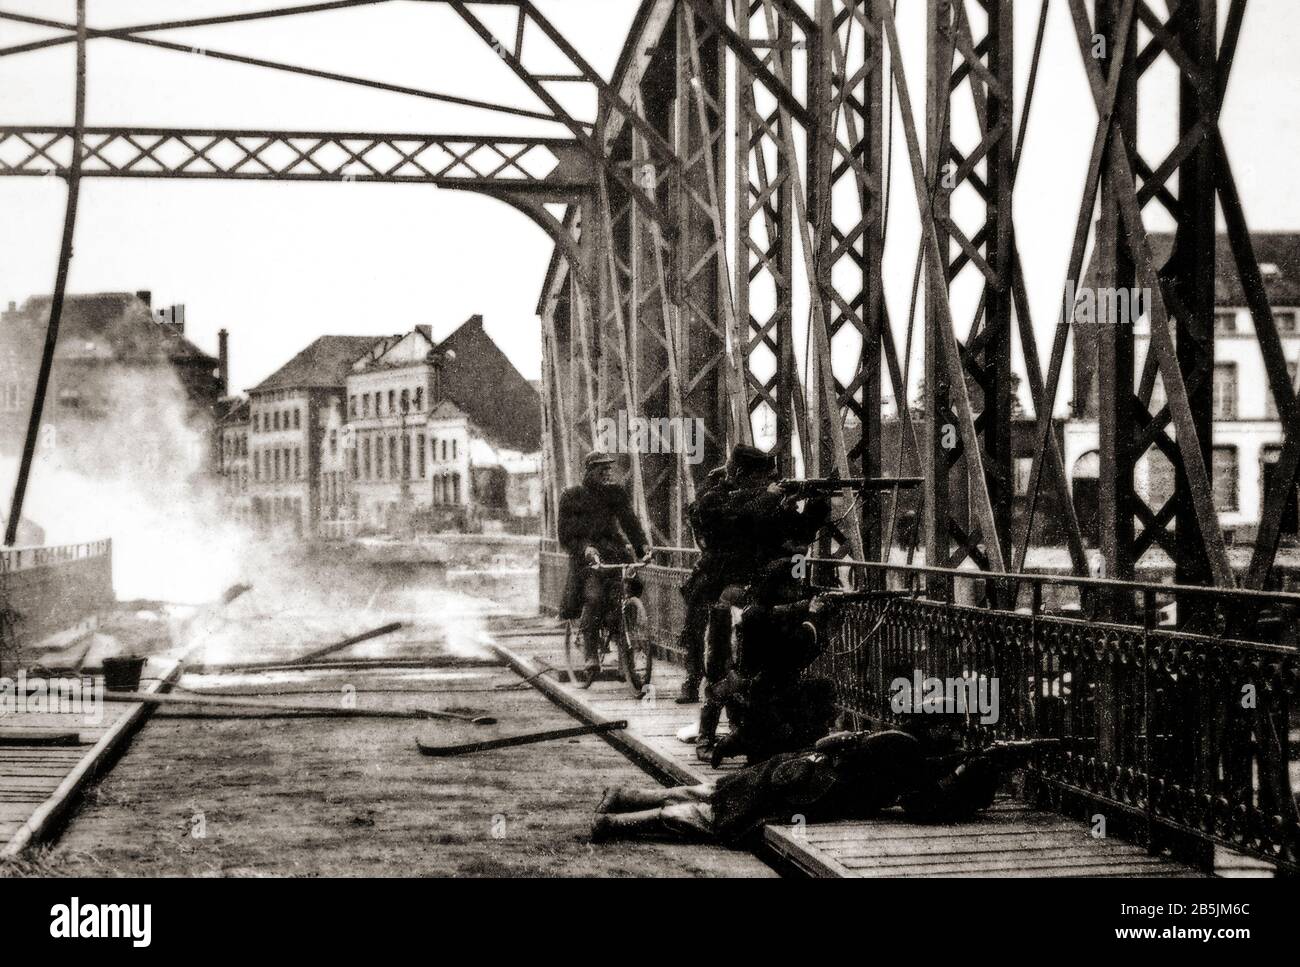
column 346, row 665
column 513, row 740
column 361, row 713
column 310, row 657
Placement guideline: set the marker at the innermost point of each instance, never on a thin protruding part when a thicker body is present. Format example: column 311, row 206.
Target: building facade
column 427, row 429
column 233, row 464
column 287, row 427
column 390, row 434
column 1247, row 435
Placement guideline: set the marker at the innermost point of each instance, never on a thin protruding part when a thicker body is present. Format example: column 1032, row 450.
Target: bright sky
column 280, row 264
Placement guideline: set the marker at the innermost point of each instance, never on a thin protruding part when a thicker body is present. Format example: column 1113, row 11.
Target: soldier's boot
column 591, row 657
column 727, row 747
column 621, row 799
column 710, row 714
column 609, row 826
column 690, row 692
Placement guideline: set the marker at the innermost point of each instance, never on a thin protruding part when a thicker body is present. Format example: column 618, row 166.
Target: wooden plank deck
column 1011, row 839
column 38, row 783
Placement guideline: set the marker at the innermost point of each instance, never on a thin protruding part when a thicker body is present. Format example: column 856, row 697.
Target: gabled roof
column 324, row 364
column 1273, row 250
column 447, row 410
column 394, row 352
column 110, row 325
column 483, row 382
column 233, row 410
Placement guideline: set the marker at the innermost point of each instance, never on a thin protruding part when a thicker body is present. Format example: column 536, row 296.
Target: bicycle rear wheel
column 634, row 646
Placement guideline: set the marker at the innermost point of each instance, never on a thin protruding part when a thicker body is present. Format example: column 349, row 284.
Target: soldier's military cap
column 748, row 458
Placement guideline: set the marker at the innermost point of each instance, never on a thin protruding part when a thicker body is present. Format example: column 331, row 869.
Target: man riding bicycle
column 597, row 525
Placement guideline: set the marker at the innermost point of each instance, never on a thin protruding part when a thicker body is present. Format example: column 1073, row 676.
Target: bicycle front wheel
column 635, row 649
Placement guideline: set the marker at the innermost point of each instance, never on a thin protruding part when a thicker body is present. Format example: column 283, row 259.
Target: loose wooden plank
column 38, row 737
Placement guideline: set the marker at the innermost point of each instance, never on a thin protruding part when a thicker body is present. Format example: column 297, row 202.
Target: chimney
column 145, row 296
column 223, row 360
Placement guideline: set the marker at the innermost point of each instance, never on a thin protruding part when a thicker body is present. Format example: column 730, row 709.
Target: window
column 1225, row 391
column 1225, row 321
column 1269, row 402
column 275, row 422
column 257, row 465
column 392, row 401
column 433, row 449
column 297, row 419
column 444, row 449
column 1158, row 398
column 453, row 448
column 352, row 404
column 1287, row 321
column 406, row 401
column 419, row 398
column 1022, row 467
column 455, row 488
column 393, row 469
column 367, row 456
column 276, row 475
column 352, row 460
column 334, row 441
column 297, row 461
column 419, row 444
column 365, row 404
column 406, row 457
column 1225, row 479
column 379, row 458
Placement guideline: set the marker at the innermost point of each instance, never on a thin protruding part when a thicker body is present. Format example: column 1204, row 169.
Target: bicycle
column 625, row 627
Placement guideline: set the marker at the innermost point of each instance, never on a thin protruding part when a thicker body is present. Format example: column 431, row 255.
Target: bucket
column 123, row 674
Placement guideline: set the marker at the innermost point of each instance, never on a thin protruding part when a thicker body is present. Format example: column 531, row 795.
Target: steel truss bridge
column 673, row 292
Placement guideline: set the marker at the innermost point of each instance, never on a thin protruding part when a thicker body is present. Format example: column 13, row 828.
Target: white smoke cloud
column 131, row 465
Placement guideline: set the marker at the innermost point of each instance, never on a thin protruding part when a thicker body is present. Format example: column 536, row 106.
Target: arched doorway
column 1083, row 490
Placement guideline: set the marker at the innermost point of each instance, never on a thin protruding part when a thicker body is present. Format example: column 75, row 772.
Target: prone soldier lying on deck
column 846, row 775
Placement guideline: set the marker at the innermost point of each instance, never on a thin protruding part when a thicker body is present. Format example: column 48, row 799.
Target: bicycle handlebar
column 633, row 566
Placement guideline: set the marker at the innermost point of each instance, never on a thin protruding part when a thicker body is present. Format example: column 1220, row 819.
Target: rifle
column 822, row 486
column 1004, row 753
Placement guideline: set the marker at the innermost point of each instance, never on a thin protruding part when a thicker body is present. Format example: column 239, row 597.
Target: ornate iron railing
column 1178, row 739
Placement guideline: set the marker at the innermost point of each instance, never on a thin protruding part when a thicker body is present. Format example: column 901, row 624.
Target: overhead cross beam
column 130, row 35
column 546, row 166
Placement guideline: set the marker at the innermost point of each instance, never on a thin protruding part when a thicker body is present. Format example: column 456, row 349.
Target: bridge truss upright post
column 846, row 206
column 764, row 211
column 968, row 518
column 1181, row 311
